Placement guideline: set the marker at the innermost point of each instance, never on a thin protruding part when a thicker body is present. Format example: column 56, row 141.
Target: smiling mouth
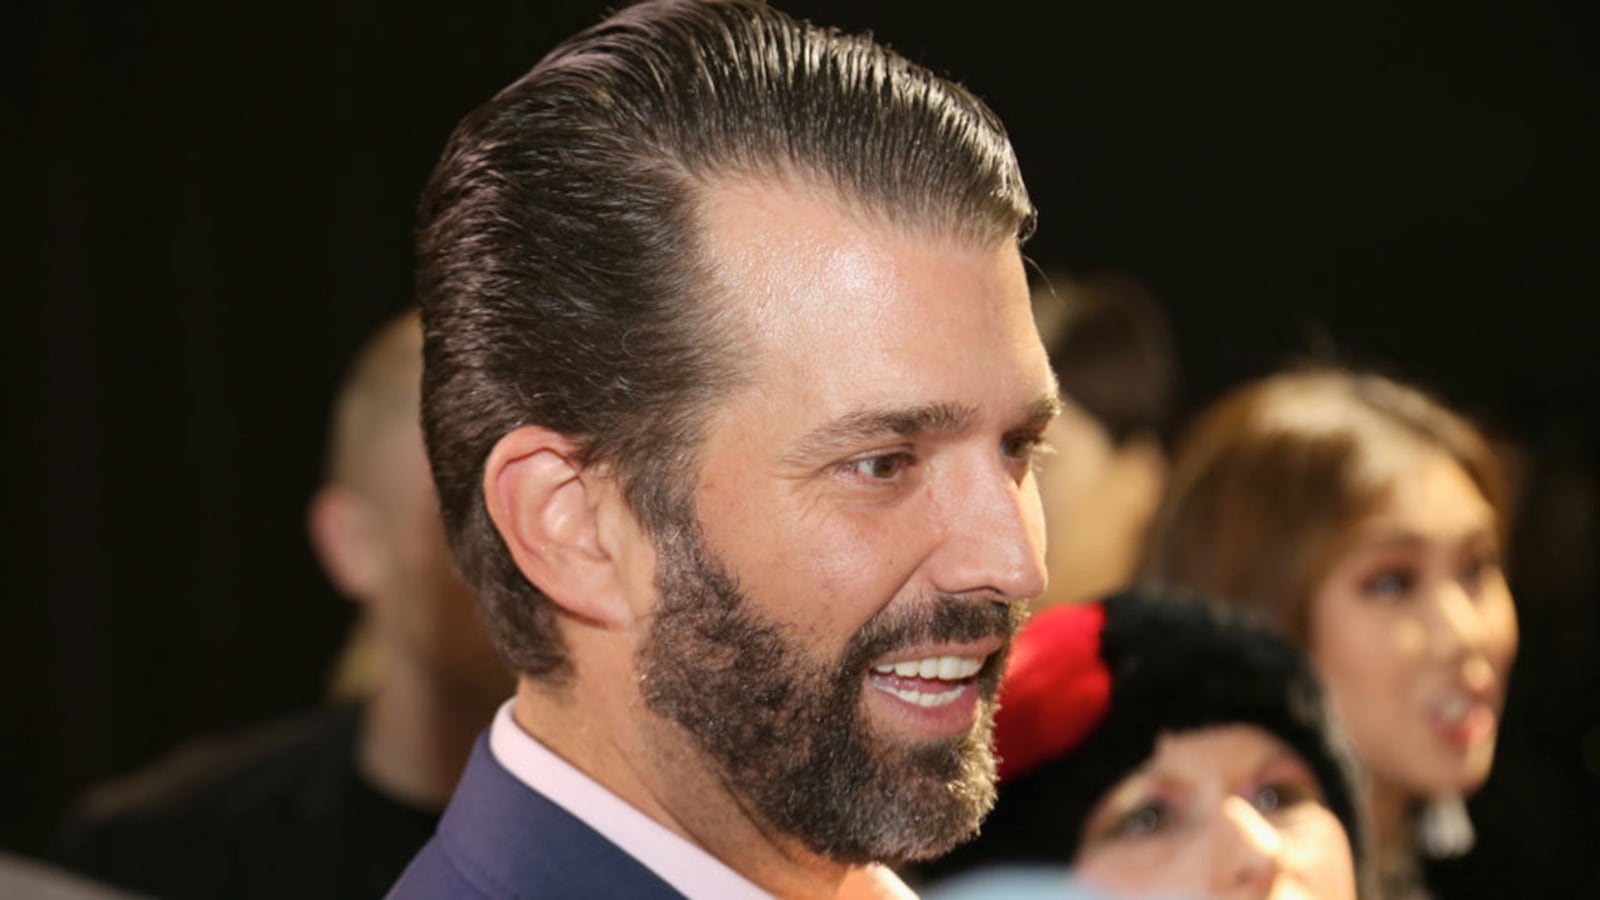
column 932, row 681
column 1464, row 719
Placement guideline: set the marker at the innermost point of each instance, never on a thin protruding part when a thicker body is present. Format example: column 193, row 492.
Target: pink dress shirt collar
column 680, row 863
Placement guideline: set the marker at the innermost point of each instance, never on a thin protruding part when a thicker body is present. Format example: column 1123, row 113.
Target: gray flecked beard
column 788, row 732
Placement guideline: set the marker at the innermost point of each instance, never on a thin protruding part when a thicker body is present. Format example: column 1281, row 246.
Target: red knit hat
column 1056, row 688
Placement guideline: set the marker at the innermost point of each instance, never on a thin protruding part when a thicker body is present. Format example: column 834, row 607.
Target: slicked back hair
column 560, row 271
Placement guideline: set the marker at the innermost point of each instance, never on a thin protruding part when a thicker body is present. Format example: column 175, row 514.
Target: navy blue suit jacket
column 500, row 838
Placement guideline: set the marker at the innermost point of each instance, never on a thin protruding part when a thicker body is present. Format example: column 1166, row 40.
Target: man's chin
column 951, row 813
column 925, row 796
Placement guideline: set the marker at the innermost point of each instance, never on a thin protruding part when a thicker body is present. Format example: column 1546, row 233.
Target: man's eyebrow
column 1042, row 411
column 871, row 424
column 862, row 426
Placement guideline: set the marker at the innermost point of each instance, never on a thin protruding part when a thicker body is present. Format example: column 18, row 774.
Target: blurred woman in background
column 1157, row 742
column 1366, row 521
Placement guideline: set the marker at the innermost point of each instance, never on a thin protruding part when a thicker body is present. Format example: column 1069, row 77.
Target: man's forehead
column 786, row 247
column 736, row 203
column 758, row 230
column 851, row 324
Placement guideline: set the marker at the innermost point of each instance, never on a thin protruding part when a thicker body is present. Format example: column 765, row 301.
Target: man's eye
column 880, row 468
column 1029, row 448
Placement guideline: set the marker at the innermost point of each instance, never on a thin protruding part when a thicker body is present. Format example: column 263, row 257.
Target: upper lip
column 1486, row 696
column 982, row 649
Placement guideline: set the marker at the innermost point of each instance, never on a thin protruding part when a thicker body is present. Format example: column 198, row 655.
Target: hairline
column 721, row 313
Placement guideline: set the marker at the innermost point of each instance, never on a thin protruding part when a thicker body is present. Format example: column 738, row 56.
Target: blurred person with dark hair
column 1158, row 742
column 334, row 802
column 1113, row 354
column 1368, row 522
column 732, row 393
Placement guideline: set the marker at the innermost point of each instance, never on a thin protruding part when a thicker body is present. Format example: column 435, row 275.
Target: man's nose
column 1248, row 851
column 993, row 534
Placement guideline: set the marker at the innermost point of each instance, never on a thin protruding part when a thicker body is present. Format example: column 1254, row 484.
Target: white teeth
column 956, row 669
column 943, row 668
column 944, row 698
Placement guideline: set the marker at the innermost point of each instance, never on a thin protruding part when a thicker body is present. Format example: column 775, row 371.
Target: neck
column 417, row 734
column 653, row 766
column 1389, row 810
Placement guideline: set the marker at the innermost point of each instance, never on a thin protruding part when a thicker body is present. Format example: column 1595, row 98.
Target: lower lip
column 951, row 718
column 1477, row 726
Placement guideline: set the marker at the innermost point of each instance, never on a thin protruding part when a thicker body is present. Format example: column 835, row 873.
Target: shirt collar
column 679, row 862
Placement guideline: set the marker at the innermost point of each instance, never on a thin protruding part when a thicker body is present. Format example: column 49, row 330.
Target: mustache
column 945, row 618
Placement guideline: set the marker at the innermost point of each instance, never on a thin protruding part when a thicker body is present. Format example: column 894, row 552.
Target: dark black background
column 214, row 202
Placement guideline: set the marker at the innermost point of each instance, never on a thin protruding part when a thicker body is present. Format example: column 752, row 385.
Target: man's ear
column 546, row 513
column 347, row 537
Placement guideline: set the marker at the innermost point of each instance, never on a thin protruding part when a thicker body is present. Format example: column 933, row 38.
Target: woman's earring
column 1444, row 829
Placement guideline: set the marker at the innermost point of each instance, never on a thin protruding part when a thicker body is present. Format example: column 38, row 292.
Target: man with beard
column 732, row 396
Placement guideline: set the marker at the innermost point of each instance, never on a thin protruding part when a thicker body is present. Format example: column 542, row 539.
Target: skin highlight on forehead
column 761, row 234
column 801, row 279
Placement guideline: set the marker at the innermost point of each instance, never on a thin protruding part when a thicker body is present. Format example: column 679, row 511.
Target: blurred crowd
column 1370, row 535
column 1325, row 631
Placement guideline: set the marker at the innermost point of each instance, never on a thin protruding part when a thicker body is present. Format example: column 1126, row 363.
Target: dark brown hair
column 558, row 266
column 1112, row 351
column 1269, row 482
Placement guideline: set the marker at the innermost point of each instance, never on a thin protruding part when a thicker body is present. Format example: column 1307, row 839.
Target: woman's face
column 1228, row 811
column 1414, row 631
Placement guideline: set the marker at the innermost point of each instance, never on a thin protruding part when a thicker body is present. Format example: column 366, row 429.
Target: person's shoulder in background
column 39, row 881
column 274, row 810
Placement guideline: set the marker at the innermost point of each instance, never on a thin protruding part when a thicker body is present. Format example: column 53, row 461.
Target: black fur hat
column 1090, row 688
